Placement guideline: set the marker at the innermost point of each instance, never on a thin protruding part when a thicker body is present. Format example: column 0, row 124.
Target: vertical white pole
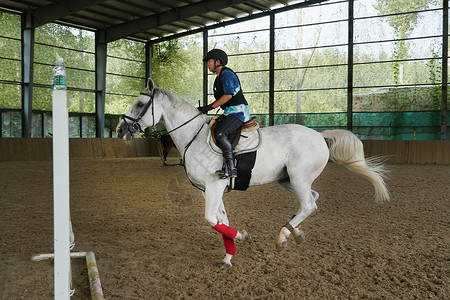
column 61, row 206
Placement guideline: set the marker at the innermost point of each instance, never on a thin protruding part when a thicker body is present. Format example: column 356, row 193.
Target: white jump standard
column 62, row 226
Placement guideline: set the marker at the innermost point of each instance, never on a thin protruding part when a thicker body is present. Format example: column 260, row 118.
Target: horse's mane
column 176, row 100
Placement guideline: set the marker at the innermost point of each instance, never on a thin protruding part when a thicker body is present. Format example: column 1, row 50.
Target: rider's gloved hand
column 205, row 109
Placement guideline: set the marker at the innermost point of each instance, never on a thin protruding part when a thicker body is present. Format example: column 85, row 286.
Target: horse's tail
column 347, row 150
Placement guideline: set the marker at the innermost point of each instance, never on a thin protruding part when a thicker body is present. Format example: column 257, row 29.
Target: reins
column 161, row 133
column 184, row 157
column 185, row 123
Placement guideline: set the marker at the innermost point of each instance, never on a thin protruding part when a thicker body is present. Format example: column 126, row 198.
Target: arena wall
column 16, row 149
column 13, row 149
column 410, row 152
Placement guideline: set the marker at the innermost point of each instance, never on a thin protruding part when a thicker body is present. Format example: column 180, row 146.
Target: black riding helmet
column 217, row 54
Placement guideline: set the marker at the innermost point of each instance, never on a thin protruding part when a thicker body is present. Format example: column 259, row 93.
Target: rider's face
column 211, row 65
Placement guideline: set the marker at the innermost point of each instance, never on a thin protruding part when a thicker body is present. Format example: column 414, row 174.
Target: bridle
column 135, row 126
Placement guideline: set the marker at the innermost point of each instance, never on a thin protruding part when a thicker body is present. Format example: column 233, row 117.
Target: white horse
column 291, row 154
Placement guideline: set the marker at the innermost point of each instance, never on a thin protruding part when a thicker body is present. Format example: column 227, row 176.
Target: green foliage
column 178, row 68
column 10, row 54
column 388, row 99
column 10, row 24
column 76, row 46
column 435, row 77
column 403, row 24
column 125, row 76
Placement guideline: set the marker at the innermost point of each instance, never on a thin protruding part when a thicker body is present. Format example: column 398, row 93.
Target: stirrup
column 221, row 174
column 225, row 172
column 224, row 175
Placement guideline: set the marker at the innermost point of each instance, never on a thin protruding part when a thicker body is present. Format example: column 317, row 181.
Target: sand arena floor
column 145, row 224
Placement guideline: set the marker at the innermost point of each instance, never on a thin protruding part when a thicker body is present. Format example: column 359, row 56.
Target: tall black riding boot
column 229, row 168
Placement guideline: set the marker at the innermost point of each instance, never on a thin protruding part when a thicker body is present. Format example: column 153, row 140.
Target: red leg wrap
column 227, row 231
column 229, row 245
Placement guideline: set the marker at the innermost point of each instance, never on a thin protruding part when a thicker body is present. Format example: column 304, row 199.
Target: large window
column 10, row 61
column 76, row 46
column 311, row 59
column 247, row 46
column 397, row 56
column 125, row 77
column 397, row 69
column 178, row 68
column 10, row 75
column 125, row 74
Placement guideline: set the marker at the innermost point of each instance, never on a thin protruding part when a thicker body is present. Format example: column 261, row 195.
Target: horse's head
column 142, row 113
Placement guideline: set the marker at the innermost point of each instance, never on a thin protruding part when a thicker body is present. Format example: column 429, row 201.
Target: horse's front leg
column 215, row 214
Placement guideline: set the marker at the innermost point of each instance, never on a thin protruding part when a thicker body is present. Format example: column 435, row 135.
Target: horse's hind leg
column 287, row 185
column 299, row 235
column 308, row 205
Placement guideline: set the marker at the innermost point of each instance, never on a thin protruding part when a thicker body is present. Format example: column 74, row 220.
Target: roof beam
column 237, row 20
column 284, row 2
column 227, row 15
column 192, row 23
column 256, row 6
column 176, row 14
column 106, row 15
column 243, row 9
column 56, row 10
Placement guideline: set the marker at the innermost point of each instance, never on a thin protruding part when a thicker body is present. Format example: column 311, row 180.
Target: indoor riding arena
column 145, row 223
column 374, row 68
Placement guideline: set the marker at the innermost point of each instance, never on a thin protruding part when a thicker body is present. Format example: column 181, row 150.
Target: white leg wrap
column 228, row 258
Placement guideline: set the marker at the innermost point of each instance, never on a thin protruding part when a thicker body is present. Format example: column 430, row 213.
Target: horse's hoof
column 282, row 239
column 245, row 236
column 281, row 246
column 300, row 236
column 224, row 265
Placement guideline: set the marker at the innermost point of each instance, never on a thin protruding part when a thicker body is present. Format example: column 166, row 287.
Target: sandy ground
column 145, row 224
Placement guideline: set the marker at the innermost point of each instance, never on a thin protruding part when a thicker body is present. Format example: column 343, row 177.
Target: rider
column 229, row 96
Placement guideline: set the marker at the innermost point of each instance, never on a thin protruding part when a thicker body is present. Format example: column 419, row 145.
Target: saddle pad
column 249, row 142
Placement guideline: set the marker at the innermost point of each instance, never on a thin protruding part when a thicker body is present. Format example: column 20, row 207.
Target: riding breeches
column 227, row 125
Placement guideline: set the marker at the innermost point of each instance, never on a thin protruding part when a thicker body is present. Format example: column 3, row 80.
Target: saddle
column 235, row 137
column 244, row 140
